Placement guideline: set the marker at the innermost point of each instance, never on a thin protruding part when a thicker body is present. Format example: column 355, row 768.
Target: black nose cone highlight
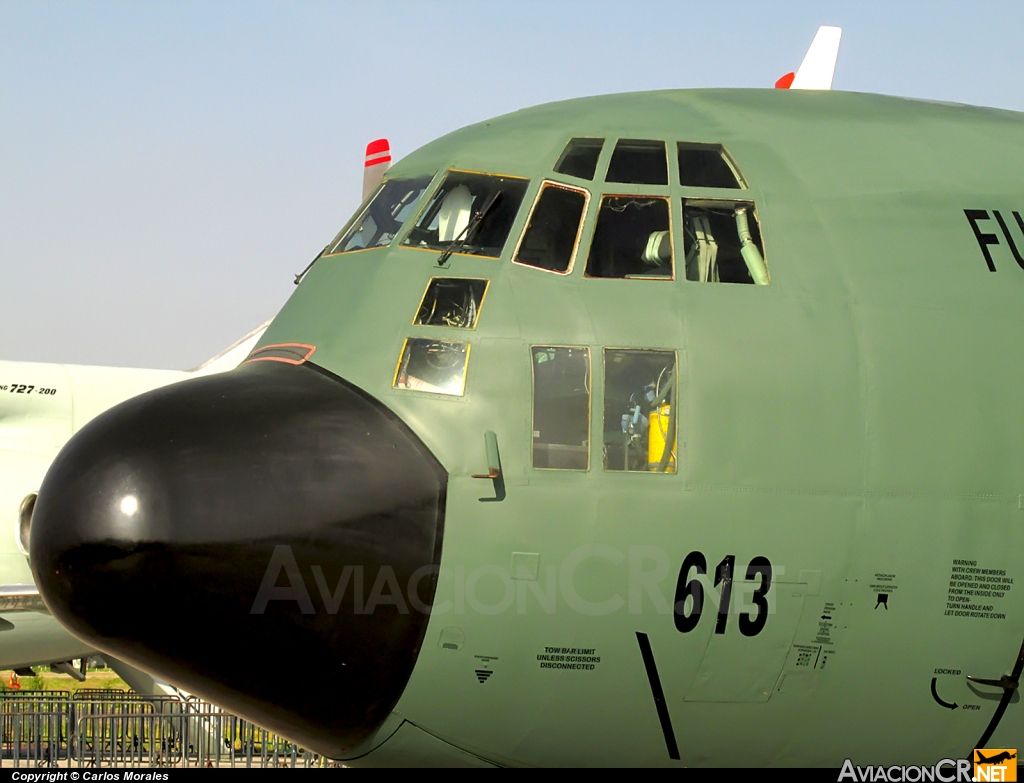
column 267, row 539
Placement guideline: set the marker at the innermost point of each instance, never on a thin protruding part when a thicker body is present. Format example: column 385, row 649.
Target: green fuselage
column 857, row 422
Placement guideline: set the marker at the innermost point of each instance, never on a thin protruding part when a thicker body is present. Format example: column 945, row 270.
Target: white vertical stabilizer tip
column 819, row 65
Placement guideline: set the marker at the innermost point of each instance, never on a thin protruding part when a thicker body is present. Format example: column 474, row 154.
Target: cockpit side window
column 561, row 407
column 435, row 366
column 579, row 158
column 454, row 302
column 638, row 162
column 639, row 410
column 722, row 242
column 450, row 217
column 553, row 231
column 707, row 166
column 632, row 239
column 383, row 217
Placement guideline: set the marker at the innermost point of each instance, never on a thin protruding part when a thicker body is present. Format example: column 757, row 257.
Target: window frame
column 479, row 309
column 433, row 394
column 579, row 231
column 717, row 201
column 351, row 221
column 590, row 403
column 730, row 161
column 443, row 173
column 361, row 211
column 675, row 394
column 671, row 237
column 611, row 154
column 597, row 164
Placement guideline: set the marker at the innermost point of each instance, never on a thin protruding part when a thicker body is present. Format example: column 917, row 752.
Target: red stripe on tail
column 785, row 82
column 380, row 145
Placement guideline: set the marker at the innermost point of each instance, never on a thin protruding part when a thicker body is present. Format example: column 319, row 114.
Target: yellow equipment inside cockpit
column 658, row 434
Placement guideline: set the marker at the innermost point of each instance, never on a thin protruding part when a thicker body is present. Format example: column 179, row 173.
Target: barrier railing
column 99, row 728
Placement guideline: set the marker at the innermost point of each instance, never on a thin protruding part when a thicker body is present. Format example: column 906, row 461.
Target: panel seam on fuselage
column 886, row 493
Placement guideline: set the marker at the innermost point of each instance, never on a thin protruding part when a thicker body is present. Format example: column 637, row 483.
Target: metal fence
column 108, row 728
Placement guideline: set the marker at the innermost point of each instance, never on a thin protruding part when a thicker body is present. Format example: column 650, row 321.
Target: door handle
column 493, row 458
column 1009, row 683
column 493, row 468
column 1006, row 682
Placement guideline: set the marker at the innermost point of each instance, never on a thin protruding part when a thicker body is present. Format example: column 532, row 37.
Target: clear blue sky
column 166, row 166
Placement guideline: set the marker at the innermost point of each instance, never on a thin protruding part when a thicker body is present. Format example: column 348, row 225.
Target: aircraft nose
column 267, row 539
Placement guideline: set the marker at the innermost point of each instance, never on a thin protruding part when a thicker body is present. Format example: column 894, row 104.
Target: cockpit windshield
column 383, row 216
column 449, row 218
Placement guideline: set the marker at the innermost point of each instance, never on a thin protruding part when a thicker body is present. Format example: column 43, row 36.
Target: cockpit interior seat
column 703, row 255
column 453, row 218
column 658, row 251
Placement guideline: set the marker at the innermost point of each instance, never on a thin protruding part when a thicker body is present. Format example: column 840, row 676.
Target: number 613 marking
column 686, row 587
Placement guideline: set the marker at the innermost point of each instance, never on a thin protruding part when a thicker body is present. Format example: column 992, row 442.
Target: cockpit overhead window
column 707, row 166
column 638, row 162
column 632, row 239
column 579, row 158
column 722, row 242
column 472, row 213
column 383, row 216
column 553, row 232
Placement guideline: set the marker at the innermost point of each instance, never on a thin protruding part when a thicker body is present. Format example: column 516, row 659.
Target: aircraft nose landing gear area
column 208, row 531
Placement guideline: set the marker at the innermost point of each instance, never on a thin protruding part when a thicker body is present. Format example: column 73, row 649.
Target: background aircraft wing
column 232, row 356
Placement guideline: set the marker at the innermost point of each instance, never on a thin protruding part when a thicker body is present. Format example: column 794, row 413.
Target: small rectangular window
column 579, row 158
column 437, row 366
column 638, row 162
column 561, row 407
column 640, row 410
column 451, row 301
column 553, row 232
column 706, row 166
column 383, row 216
column 722, row 242
column 632, row 239
column 450, row 216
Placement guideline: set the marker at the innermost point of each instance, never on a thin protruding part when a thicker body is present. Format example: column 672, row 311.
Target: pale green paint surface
column 860, row 415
